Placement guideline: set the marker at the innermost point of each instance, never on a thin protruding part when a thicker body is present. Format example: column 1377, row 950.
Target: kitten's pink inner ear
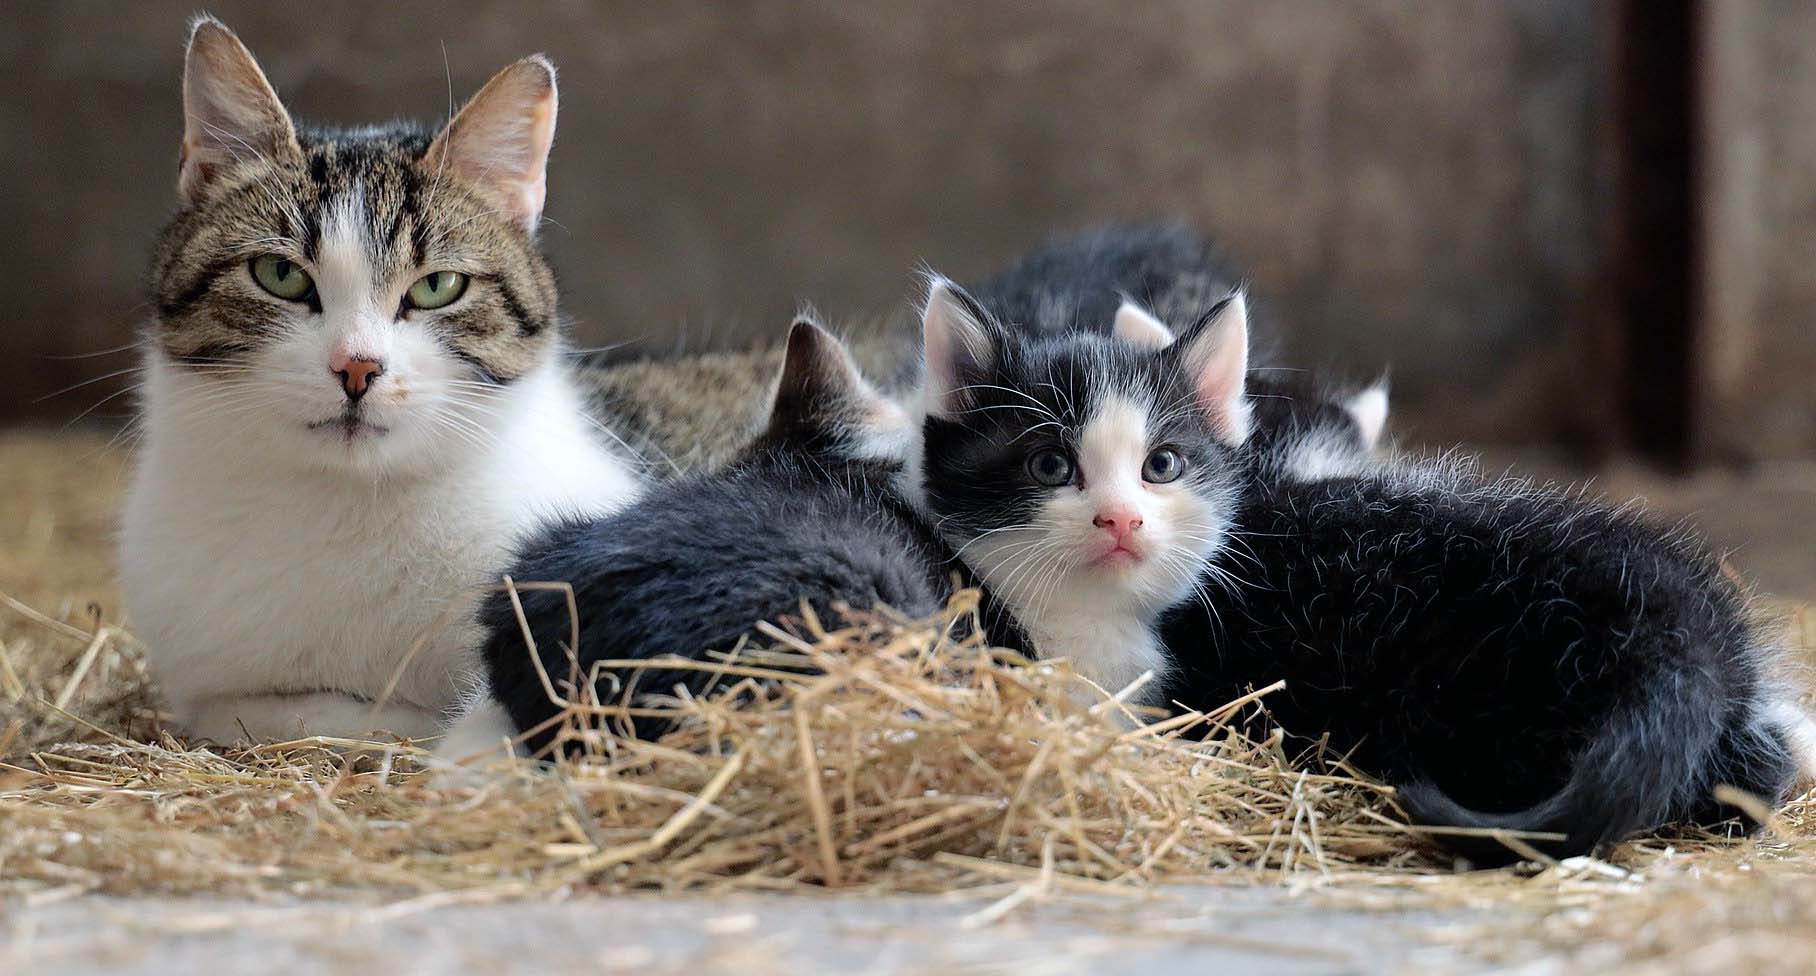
column 1216, row 358
column 230, row 111
column 1138, row 327
column 499, row 143
column 956, row 344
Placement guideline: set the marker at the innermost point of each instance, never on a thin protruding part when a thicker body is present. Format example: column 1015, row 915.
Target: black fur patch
column 696, row 563
column 1509, row 657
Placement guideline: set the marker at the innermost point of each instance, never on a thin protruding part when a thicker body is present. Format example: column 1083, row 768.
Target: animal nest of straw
column 873, row 753
column 866, row 754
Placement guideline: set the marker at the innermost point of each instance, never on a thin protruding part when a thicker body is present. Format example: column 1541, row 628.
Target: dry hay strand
column 878, row 755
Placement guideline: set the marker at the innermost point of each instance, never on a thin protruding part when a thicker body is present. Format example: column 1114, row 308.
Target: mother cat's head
column 368, row 299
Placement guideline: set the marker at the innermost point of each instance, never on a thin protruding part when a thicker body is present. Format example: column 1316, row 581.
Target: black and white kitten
column 1510, row 657
column 1507, row 656
column 808, row 512
column 1086, row 478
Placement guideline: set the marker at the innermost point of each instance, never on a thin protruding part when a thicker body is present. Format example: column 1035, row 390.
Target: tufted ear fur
column 499, row 141
column 231, row 114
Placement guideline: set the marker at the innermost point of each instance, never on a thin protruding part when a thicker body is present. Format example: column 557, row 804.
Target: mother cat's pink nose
column 356, row 373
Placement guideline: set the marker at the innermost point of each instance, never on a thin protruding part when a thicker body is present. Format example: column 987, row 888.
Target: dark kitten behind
column 1509, row 657
column 1077, row 282
column 806, row 513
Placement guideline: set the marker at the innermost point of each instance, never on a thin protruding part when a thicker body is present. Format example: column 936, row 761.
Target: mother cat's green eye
column 282, row 277
column 436, row 289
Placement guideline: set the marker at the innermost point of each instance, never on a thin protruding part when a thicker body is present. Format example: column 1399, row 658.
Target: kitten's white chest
column 1110, row 646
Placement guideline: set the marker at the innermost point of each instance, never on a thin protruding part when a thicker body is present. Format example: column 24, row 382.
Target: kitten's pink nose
column 1119, row 522
column 356, row 373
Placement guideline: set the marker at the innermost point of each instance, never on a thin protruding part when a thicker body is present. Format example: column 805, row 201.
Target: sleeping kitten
column 806, row 512
column 1086, row 477
column 1508, row 656
column 354, row 404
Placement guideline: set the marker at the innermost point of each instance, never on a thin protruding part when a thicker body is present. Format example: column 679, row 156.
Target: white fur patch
column 1799, row 730
column 484, row 729
column 1369, row 410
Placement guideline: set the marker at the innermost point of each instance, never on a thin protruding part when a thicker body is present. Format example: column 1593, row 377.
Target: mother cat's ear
column 1213, row 353
column 498, row 143
column 231, row 114
column 960, row 341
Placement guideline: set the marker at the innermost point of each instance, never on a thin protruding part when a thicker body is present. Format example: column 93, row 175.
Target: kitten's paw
column 482, row 735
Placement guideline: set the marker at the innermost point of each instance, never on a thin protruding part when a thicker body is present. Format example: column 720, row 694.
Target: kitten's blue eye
column 282, row 277
column 1050, row 467
column 1162, row 466
column 437, row 289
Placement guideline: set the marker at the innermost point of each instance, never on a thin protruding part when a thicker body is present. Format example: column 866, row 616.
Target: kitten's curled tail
column 1655, row 761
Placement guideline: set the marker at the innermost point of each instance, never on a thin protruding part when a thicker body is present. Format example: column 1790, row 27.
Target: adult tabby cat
column 354, row 403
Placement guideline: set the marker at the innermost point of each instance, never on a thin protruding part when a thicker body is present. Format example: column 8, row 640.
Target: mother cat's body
column 354, row 402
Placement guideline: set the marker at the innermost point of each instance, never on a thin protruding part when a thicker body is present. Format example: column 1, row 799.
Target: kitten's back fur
column 1507, row 656
column 1077, row 281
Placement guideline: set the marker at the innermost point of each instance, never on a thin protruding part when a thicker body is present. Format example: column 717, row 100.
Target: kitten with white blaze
column 355, row 403
column 1084, row 477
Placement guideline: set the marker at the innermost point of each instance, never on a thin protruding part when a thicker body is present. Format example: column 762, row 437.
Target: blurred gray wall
column 1411, row 185
column 1758, row 358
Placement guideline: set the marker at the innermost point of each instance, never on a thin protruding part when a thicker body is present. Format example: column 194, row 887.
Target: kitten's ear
column 1138, row 327
column 959, row 341
column 230, row 112
column 1369, row 410
column 816, row 369
column 822, row 396
column 498, row 143
column 1214, row 355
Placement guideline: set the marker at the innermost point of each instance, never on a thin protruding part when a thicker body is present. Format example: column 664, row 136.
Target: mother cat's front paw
column 240, row 719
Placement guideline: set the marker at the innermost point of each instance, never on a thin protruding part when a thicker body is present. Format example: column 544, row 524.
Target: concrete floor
column 1196, row 930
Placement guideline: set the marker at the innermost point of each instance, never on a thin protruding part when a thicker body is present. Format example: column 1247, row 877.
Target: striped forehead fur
column 412, row 220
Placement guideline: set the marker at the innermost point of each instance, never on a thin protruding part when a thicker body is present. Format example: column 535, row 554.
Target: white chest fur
column 275, row 596
column 1111, row 647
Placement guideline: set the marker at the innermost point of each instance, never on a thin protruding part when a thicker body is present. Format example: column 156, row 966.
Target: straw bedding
column 903, row 762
